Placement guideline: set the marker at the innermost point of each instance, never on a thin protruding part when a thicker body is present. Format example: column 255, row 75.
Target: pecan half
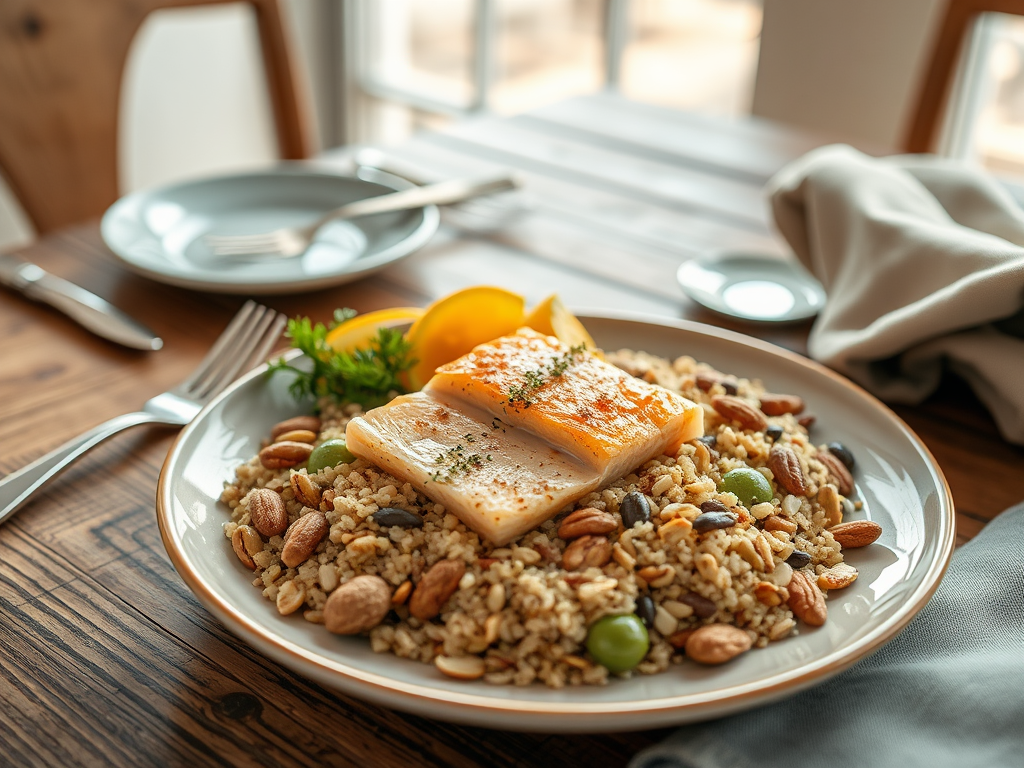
column 307, row 491
column 806, row 600
column 587, row 552
column 838, row 471
column 776, row 405
column 739, row 410
column 587, row 522
column 785, row 466
column 285, row 454
column 246, row 543
column 437, row 585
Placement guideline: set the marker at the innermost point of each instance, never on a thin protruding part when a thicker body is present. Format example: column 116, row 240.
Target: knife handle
column 19, row 486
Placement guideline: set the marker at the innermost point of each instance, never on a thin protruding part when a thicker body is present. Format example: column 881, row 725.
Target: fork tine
column 254, row 352
column 241, row 351
column 226, row 339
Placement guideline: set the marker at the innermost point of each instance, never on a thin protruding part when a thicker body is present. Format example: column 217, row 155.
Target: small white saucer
column 753, row 287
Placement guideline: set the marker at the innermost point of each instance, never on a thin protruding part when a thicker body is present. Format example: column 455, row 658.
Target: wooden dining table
column 108, row 659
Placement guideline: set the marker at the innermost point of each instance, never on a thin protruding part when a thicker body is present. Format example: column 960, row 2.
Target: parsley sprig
column 365, row 376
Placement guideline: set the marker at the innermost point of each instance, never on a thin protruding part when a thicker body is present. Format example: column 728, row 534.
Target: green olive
column 330, row 453
column 748, row 485
column 618, row 642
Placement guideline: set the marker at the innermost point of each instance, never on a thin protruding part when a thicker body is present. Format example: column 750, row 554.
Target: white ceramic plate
column 897, row 478
column 752, row 287
column 159, row 233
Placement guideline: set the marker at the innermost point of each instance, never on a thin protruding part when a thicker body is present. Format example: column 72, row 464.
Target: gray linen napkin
column 923, row 262
column 947, row 691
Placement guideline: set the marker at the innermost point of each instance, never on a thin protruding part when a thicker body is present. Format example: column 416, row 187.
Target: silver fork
column 245, row 342
column 293, row 241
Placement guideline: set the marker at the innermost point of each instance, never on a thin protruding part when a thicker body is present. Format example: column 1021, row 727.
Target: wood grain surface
column 109, row 659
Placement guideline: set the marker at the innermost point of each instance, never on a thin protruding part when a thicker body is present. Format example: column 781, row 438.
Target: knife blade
column 96, row 314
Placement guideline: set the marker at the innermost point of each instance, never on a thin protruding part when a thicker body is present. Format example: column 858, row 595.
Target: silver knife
column 98, row 315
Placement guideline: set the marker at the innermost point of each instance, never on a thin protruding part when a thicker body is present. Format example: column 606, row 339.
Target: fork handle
column 441, row 193
column 19, row 486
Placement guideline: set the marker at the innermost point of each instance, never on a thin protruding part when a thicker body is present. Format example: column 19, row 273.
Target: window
column 417, row 63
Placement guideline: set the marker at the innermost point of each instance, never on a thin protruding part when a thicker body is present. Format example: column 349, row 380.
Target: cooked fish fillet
column 500, row 481
column 511, row 433
column 600, row 414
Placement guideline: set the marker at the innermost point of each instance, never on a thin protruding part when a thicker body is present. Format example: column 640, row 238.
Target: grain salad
column 731, row 542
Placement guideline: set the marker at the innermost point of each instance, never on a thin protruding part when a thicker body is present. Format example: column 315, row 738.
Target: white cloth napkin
column 923, row 262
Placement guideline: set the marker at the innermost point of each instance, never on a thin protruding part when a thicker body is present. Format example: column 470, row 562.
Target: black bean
column 712, row 521
column 703, row 607
column 713, row 505
column 774, row 432
column 634, row 509
column 731, row 386
column 709, row 440
column 386, row 517
column 842, row 453
column 645, row 610
column 798, row 559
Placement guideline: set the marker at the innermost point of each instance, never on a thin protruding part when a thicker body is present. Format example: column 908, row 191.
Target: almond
column 587, row 552
column 587, row 521
column 461, row 667
column 856, row 533
column 806, row 600
column 717, row 643
column 739, row 410
column 785, row 466
column 297, row 436
column 285, row 454
column 657, row 576
column 402, row 593
column 303, row 537
column 828, row 497
column 266, row 508
column 311, row 423
column 838, row 471
column 307, row 491
column 837, row 577
column 776, row 405
column 437, row 585
column 357, row 605
column 776, row 523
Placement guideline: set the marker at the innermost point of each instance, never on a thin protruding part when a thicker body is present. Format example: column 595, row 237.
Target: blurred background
column 193, row 98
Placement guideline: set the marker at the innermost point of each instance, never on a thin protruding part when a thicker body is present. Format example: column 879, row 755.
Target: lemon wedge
column 552, row 318
column 356, row 333
column 452, row 326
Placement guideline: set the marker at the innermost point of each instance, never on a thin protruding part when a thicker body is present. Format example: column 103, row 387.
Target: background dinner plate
column 897, row 478
column 159, row 233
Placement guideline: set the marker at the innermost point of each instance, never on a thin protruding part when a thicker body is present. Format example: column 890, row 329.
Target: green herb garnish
column 457, row 462
column 522, row 394
column 365, row 376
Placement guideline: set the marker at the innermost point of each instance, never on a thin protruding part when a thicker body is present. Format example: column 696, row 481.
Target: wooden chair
column 934, row 91
column 61, row 63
